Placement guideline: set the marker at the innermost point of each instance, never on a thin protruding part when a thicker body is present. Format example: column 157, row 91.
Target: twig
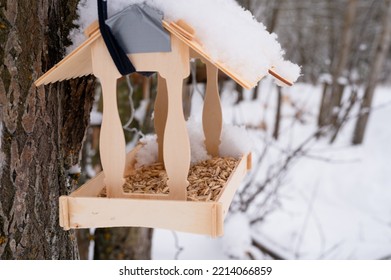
column 330, row 160
column 306, row 219
column 266, row 250
column 388, row 257
column 177, row 246
column 288, row 160
column 332, row 248
column 131, row 104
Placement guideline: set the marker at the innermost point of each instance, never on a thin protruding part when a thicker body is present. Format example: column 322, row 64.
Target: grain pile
column 206, row 179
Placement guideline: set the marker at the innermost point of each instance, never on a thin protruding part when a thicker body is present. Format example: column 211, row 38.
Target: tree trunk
column 376, row 68
column 123, row 244
column 342, row 62
column 323, row 105
column 272, row 23
column 42, row 129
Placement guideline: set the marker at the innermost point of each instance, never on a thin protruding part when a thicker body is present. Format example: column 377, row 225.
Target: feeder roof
column 78, row 63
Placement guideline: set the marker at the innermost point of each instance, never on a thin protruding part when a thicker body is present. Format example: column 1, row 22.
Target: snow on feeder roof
column 224, row 33
column 183, row 37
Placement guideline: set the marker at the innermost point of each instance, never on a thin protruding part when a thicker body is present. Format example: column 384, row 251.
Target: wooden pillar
column 212, row 117
column 160, row 114
column 112, row 140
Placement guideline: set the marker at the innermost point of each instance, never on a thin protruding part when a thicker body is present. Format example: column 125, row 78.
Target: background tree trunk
column 277, row 120
column 42, row 129
column 123, row 244
column 341, row 63
column 374, row 74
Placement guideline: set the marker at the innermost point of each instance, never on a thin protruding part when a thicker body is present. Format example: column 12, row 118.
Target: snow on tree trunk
column 374, row 74
column 42, row 129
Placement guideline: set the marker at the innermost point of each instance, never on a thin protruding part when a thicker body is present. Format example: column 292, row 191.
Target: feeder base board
column 85, row 209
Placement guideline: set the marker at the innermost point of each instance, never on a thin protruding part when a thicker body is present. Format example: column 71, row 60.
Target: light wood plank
column 185, row 216
column 80, row 58
column 160, row 114
column 92, row 188
column 64, row 212
column 232, row 184
column 212, row 115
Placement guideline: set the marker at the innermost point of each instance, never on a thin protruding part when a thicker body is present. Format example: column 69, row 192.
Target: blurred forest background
column 343, row 49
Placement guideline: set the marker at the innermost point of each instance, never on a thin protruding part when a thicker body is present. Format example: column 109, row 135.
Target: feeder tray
column 206, row 179
column 86, row 207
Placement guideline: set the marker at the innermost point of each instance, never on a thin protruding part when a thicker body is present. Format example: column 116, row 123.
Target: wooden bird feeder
column 85, row 208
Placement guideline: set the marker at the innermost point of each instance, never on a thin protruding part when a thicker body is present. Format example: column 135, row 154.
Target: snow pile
column 326, row 78
column 237, row 236
column 74, row 169
column 197, row 143
column 96, row 117
column 148, row 154
column 234, row 143
column 228, row 32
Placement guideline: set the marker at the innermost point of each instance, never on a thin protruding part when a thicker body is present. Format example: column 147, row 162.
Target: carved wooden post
column 176, row 145
column 160, row 114
column 212, row 117
column 112, row 140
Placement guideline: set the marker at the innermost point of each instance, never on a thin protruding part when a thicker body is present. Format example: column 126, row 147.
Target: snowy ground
column 333, row 204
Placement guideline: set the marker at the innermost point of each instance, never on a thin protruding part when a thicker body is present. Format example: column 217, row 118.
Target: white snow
column 325, row 78
column 148, row 154
column 336, row 208
column 235, row 142
column 229, row 33
column 197, row 144
column 75, row 169
column 342, row 81
column 96, row 117
column 90, row 171
column 237, row 244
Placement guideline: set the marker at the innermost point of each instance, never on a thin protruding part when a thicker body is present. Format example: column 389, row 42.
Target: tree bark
column 323, row 105
column 374, row 73
column 42, row 129
column 123, row 244
column 342, row 62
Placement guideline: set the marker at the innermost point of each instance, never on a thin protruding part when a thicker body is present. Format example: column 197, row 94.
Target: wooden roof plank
column 78, row 63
